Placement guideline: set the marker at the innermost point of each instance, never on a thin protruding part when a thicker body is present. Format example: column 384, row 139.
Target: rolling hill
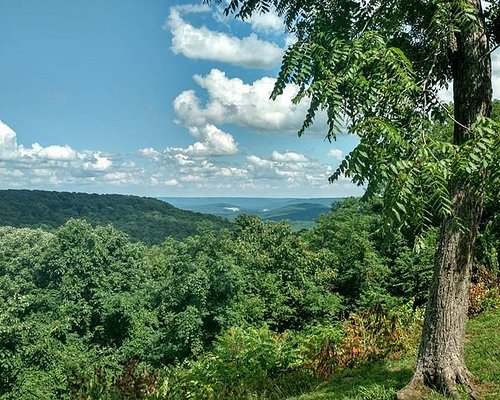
column 143, row 219
column 272, row 209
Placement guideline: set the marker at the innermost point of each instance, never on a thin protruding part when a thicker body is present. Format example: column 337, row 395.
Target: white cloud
column 269, row 22
column 40, row 172
column 495, row 73
column 186, row 171
column 150, row 153
column 10, row 150
column 292, row 168
column 276, row 174
column 288, row 157
column 215, row 142
column 117, row 176
column 171, row 182
column 98, row 163
column 336, row 153
column 205, row 44
column 261, row 168
column 8, row 142
column 158, row 179
column 230, row 100
column 182, row 159
column 232, row 172
column 191, row 8
column 259, row 162
column 56, row 165
column 49, row 153
column 56, row 153
column 191, row 178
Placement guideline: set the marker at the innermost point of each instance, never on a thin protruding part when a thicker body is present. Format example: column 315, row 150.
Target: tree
column 375, row 67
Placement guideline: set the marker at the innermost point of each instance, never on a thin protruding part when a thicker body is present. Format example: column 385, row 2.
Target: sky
column 155, row 98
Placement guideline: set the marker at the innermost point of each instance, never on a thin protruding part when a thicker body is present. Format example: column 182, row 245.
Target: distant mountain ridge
column 272, row 209
column 144, row 219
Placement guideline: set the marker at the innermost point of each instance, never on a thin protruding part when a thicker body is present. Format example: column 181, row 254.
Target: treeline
column 87, row 313
column 143, row 219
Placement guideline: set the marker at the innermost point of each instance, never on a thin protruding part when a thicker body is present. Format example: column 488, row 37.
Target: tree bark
column 440, row 363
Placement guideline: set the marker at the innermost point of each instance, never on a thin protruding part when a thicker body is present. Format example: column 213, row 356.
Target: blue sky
column 157, row 98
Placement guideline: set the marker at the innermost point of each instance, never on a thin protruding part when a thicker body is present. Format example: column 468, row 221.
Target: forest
column 257, row 311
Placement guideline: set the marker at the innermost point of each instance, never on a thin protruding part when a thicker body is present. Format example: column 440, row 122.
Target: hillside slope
column 144, row 219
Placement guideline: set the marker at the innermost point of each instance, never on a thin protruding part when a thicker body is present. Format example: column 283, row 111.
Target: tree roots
column 445, row 382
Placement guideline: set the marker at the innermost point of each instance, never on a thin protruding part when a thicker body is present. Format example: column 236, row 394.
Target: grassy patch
column 381, row 380
column 482, row 353
column 375, row 381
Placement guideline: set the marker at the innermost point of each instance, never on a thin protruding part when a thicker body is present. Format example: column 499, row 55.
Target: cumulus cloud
column 230, row 100
column 192, row 170
column 24, row 166
column 150, row 153
column 205, row 44
column 269, row 22
column 288, row 157
column 98, row 162
column 336, row 153
column 278, row 171
column 290, row 167
column 121, row 177
column 10, row 150
column 214, row 142
column 495, row 72
column 8, row 142
column 55, row 153
column 261, row 168
column 171, row 182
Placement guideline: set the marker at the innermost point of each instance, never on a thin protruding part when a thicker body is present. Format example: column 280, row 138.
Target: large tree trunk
column 440, row 363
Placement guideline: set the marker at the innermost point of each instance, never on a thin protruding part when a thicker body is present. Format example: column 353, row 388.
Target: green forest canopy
column 81, row 299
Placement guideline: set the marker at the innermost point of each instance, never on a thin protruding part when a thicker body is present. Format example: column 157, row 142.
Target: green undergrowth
column 368, row 357
column 380, row 380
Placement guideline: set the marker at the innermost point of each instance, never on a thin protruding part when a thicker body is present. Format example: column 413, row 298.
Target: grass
column 382, row 379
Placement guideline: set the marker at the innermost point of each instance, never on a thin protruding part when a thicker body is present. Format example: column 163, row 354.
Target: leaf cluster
column 374, row 68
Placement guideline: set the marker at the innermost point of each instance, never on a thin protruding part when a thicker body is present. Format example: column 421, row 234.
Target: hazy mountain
column 275, row 209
